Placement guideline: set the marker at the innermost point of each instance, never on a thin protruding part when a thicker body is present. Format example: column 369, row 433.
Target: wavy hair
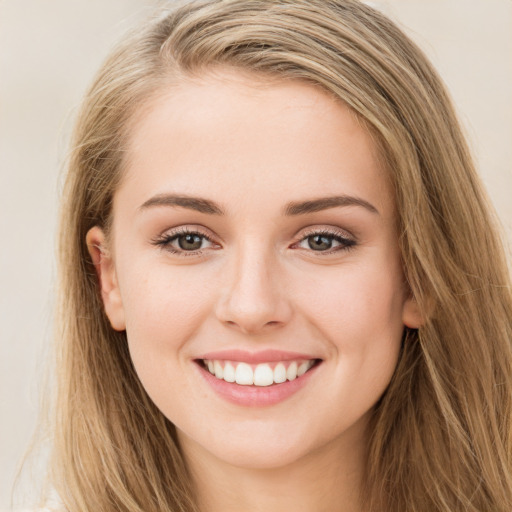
column 441, row 438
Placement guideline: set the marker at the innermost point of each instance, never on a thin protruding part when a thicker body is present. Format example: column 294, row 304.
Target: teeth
column 279, row 373
column 229, row 373
column 263, row 375
column 244, row 374
column 301, row 370
column 259, row 375
column 219, row 371
column 291, row 373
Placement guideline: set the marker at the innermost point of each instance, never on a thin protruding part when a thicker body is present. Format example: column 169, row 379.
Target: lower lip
column 256, row 396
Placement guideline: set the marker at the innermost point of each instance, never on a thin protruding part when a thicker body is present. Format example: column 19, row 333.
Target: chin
column 261, row 456
column 272, row 445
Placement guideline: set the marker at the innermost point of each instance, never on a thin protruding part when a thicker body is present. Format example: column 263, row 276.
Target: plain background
column 48, row 54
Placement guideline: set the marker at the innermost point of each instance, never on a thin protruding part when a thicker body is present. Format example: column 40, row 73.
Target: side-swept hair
column 441, row 434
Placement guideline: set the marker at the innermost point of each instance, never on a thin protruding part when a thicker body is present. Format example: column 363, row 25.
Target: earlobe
column 411, row 314
column 107, row 278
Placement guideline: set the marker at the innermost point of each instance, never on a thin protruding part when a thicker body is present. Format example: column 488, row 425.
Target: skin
column 253, row 147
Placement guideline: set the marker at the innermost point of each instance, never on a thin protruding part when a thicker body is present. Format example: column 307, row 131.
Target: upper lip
column 262, row 356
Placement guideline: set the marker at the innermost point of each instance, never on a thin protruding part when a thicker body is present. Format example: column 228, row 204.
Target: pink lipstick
column 256, row 379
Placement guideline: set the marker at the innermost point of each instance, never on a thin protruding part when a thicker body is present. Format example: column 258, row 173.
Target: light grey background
column 48, row 54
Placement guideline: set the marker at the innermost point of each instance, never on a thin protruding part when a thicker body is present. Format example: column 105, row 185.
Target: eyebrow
column 293, row 208
column 324, row 203
column 192, row 203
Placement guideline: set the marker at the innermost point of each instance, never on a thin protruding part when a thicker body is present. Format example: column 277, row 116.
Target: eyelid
column 186, row 229
column 328, row 230
column 347, row 240
column 164, row 239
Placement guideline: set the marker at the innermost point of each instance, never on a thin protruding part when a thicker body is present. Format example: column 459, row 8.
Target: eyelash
column 164, row 241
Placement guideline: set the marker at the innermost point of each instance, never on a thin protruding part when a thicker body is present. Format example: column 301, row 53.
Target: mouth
column 259, row 375
column 256, row 380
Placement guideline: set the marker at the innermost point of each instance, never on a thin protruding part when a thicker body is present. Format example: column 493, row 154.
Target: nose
column 254, row 299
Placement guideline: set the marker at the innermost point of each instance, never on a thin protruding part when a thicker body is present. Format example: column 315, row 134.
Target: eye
column 326, row 242
column 184, row 242
column 189, row 241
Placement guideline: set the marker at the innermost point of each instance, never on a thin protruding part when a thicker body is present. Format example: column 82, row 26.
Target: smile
column 256, row 379
column 260, row 375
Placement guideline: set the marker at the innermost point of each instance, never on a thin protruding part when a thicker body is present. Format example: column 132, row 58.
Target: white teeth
column 279, row 373
column 262, row 375
column 291, row 373
column 229, row 373
column 219, row 371
column 244, row 374
column 301, row 370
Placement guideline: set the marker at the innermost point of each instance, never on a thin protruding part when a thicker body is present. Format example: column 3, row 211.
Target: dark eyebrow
column 192, row 203
column 207, row 206
column 324, row 203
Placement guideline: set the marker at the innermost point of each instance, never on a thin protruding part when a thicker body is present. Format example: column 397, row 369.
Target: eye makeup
column 323, row 241
column 185, row 241
column 191, row 241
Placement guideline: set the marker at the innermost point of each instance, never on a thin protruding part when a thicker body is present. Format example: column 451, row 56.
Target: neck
column 326, row 480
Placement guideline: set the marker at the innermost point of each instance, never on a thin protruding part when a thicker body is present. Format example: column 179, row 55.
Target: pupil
column 319, row 242
column 189, row 242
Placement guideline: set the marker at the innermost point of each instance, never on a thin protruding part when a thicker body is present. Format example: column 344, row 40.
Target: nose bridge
column 254, row 297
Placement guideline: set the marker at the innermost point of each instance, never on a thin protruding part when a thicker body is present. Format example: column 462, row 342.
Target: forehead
column 228, row 133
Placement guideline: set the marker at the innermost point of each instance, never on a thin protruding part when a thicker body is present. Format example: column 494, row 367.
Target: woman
column 282, row 286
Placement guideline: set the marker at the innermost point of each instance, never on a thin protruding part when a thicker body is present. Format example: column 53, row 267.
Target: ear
column 107, row 278
column 411, row 314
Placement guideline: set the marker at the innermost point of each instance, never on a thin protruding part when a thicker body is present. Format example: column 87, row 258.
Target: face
column 254, row 238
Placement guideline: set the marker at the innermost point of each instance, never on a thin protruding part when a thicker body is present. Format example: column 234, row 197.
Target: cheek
column 355, row 306
column 163, row 309
column 359, row 315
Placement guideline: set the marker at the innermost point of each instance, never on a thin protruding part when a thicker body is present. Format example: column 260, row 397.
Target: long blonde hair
column 441, row 434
